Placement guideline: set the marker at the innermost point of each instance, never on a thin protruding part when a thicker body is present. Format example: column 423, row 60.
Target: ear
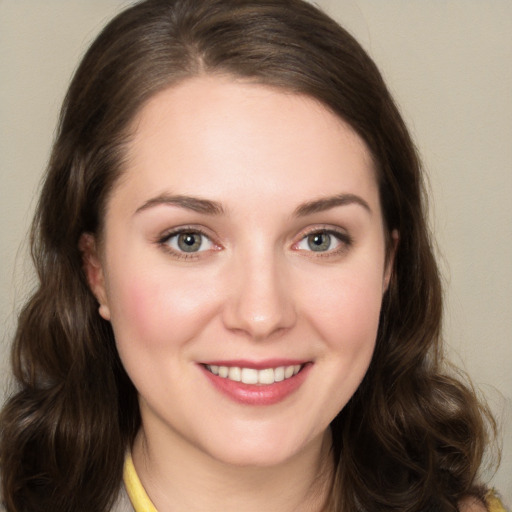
column 390, row 258
column 94, row 272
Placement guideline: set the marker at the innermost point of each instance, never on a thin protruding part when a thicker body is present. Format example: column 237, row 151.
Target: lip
column 257, row 394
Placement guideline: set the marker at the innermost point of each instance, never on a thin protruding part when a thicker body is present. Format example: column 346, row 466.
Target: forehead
column 217, row 136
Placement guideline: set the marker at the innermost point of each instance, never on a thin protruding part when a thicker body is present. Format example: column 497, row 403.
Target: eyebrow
column 195, row 204
column 326, row 203
column 209, row 207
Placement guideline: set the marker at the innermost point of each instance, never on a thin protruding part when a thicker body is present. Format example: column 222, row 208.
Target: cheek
column 346, row 309
column 156, row 308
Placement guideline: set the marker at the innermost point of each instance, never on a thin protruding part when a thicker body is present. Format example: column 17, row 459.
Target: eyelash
column 343, row 238
column 163, row 241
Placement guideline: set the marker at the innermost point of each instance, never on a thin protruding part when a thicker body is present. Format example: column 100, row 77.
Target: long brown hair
column 411, row 438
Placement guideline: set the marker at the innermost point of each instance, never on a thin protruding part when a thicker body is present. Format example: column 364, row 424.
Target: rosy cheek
column 347, row 312
column 158, row 310
column 130, row 304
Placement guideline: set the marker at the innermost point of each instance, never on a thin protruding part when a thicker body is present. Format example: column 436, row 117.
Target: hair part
column 411, row 438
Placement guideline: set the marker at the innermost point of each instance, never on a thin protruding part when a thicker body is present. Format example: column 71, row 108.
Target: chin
column 254, row 449
column 253, row 458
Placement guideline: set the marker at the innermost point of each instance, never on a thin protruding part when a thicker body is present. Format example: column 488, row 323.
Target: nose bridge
column 261, row 302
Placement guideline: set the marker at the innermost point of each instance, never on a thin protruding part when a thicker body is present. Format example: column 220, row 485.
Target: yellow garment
column 140, row 500
column 494, row 503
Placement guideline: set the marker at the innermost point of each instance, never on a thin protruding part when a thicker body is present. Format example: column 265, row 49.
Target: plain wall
column 449, row 65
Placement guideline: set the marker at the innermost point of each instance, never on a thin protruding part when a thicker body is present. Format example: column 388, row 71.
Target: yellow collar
column 140, row 500
column 493, row 502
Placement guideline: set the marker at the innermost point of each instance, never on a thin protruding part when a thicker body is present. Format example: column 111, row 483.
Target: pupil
column 319, row 242
column 189, row 242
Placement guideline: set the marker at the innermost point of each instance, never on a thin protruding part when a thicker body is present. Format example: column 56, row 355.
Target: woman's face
column 242, row 267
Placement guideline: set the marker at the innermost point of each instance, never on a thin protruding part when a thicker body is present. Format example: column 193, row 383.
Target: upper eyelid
column 323, row 229
column 166, row 234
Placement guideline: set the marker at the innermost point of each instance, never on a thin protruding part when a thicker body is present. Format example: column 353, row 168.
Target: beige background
column 449, row 64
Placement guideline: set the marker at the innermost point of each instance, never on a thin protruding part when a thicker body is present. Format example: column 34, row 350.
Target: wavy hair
column 410, row 439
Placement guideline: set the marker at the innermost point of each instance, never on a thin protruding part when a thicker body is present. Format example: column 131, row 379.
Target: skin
column 255, row 290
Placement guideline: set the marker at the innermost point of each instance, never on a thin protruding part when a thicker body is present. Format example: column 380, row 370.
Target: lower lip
column 258, row 394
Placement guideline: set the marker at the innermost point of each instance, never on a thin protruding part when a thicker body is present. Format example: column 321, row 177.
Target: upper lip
column 257, row 365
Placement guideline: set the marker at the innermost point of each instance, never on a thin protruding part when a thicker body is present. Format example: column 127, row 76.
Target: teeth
column 266, row 376
column 253, row 376
column 235, row 374
column 279, row 374
column 249, row 376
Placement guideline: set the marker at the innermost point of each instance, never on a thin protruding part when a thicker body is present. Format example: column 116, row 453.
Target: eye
column 188, row 242
column 323, row 241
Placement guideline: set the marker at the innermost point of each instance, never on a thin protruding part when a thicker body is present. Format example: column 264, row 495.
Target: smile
column 265, row 376
column 257, row 383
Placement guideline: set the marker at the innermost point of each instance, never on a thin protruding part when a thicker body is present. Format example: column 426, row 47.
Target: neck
column 179, row 478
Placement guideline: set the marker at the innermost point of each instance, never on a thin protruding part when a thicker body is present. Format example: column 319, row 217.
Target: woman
column 238, row 301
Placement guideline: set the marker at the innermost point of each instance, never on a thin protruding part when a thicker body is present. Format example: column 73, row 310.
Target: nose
column 260, row 302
